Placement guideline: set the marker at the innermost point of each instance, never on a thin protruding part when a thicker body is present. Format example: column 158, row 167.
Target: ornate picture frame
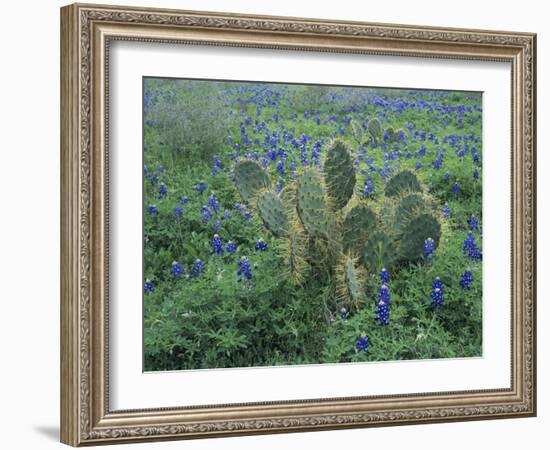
column 87, row 32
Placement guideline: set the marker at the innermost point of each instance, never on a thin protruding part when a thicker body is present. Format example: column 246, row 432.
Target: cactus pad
column 350, row 279
column 379, row 251
column 374, row 128
column 357, row 131
column 401, row 183
column 273, row 213
column 339, row 174
column 410, row 206
column 418, row 230
column 310, row 196
column 250, row 178
column 359, row 222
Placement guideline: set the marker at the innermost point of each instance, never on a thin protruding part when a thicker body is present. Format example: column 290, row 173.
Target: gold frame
column 86, row 31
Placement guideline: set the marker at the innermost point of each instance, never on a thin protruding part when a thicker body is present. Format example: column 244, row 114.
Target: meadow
column 299, row 224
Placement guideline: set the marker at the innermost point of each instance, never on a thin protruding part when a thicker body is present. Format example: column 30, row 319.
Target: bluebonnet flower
column 261, row 245
column 437, row 293
column 152, row 209
column 200, row 187
column 197, row 268
column 231, row 247
column 362, row 343
column 280, row 169
column 213, row 203
column 279, row 185
column 217, row 225
column 217, row 245
column 226, row 214
column 456, row 188
column 177, row 269
column 178, row 211
column 216, row 164
column 429, row 248
column 148, row 286
column 446, row 210
column 446, row 177
column 206, row 214
column 245, row 271
column 474, row 223
column 470, row 248
column 384, row 276
column 383, row 305
column 184, row 200
column 466, row 279
column 369, row 188
column 476, row 174
column 344, row 312
column 418, row 165
column 163, row 190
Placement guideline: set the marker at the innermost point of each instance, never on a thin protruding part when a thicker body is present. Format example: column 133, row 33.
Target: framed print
column 276, row 224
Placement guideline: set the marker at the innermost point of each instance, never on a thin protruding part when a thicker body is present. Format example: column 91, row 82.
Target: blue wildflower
column 148, row 286
column 206, row 214
column 383, row 305
column 446, row 210
column 217, row 225
column 178, row 211
column 384, row 276
column 177, row 269
column 163, row 190
column 429, row 248
column 213, row 203
column 466, row 279
column 217, row 245
column 261, row 245
column 456, row 188
column 344, row 312
column 362, row 343
column 470, row 247
column 368, row 189
column 437, row 293
column 476, row 174
column 184, row 200
column 245, row 271
column 200, row 187
column 474, row 223
column 197, row 268
column 231, row 247
column 152, row 209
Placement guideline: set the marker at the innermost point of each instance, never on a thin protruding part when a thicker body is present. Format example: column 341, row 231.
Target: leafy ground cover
column 217, row 287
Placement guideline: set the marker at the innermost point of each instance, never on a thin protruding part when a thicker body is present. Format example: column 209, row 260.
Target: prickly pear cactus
column 273, row 213
column 250, row 178
column 339, row 174
column 359, row 222
column 311, row 205
column 293, row 249
column 357, row 131
column 409, row 207
column 375, row 129
column 419, row 229
column 401, row 183
column 379, row 252
column 350, row 282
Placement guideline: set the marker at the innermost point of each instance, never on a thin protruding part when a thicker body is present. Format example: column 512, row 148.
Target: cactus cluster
column 325, row 228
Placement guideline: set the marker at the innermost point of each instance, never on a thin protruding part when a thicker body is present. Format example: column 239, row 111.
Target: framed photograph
column 276, row 224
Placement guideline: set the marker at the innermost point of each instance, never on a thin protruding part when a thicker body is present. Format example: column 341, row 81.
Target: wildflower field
column 300, row 224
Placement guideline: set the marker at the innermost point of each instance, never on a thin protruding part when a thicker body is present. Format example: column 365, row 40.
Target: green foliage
column 290, row 313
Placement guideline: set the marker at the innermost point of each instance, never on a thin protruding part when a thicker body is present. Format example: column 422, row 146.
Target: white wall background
column 29, row 223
